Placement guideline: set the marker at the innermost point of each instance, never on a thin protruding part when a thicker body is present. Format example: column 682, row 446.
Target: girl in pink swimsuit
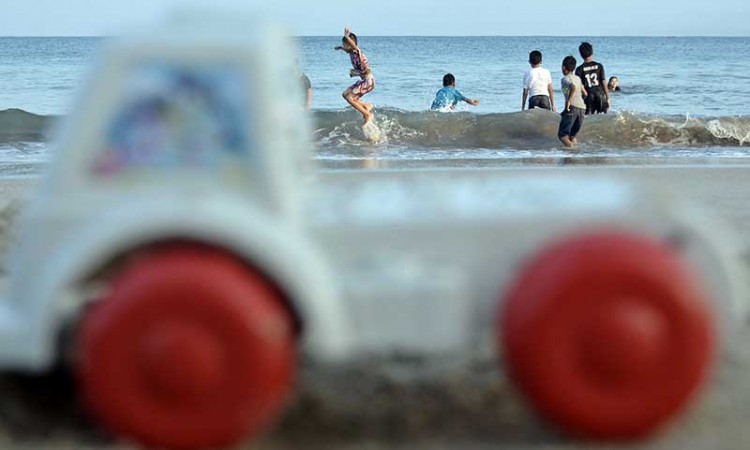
column 361, row 68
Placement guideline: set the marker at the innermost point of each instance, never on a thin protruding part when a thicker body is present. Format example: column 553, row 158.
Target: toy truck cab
column 179, row 237
column 184, row 161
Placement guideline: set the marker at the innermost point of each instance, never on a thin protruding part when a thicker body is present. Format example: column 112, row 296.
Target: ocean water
column 681, row 97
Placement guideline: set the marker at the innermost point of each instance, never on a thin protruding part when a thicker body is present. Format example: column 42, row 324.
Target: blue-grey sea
column 681, row 98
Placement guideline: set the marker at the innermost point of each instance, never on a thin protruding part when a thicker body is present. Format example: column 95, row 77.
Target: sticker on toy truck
column 176, row 117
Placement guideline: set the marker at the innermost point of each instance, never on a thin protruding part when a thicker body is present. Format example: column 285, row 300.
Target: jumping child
column 361, row 68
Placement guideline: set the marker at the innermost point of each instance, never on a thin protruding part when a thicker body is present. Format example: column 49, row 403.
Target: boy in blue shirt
column 447, row 97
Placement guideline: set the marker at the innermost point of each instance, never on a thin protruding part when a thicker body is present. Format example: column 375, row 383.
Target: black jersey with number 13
column 591, row 75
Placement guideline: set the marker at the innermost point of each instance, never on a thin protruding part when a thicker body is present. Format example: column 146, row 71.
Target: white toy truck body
column 190, row 137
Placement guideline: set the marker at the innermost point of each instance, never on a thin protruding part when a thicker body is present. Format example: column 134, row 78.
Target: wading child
column 448, row 97
column 361, row 68
column 304, row 82
column 592, row 76
column 571, row 118
column 613, row 85
column 537, row 82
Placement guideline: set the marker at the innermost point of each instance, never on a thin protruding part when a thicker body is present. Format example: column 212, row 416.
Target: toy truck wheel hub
column 608, row 334
column 190, row 349
column 618, row 343
column 182, row 361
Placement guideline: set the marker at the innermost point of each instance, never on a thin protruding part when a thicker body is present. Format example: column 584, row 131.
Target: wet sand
column 373, row 405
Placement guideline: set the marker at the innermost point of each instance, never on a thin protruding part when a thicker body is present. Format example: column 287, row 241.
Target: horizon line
column 426, row 36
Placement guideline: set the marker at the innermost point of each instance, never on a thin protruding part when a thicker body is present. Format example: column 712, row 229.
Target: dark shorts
column 596, row 102
column 540, row 101
column 570, row 122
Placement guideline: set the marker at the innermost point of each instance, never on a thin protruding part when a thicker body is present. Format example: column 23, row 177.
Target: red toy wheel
column 607, row 335
column 190, row 349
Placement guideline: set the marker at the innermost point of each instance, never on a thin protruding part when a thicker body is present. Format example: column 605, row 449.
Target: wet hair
column 353, row 38
column 535, row 57
column 585, row 49
column 570, row 63
column 449, row 79
column 612, row 79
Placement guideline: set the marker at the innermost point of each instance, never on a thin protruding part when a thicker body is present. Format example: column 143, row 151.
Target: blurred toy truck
column 183, row 237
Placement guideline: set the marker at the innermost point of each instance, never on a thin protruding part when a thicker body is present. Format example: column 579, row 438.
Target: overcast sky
column 402, row 17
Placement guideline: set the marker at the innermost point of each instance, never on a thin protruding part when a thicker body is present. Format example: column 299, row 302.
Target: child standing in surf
column 593, row 79
column 361, row 68
column 571, row 118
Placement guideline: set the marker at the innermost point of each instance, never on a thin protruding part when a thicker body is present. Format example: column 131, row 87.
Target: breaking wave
column 528, row 130
column 20, row 125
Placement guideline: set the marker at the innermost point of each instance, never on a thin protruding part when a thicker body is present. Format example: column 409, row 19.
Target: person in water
column 361, row 68
column 304, row 82
column 537, row 83
column 593, row 78
column 613, row 85
column 448, row 97
column 571, row 119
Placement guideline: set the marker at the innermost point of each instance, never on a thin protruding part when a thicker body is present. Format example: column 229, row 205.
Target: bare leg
column 356, row 104
column 366, row 114
column 574, row 141
column 567, row 141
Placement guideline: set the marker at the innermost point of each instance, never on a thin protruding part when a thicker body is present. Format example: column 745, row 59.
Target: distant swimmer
column 613, row 85
column 361, row 68
column 592, row 76
column 571, row 119
column 448, row 97
column 537, row 83
column 306, row 86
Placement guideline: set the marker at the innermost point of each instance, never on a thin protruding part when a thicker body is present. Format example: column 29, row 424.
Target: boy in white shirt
column 537, row 83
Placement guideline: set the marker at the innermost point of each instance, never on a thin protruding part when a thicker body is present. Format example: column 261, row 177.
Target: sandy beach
column 364, row 407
